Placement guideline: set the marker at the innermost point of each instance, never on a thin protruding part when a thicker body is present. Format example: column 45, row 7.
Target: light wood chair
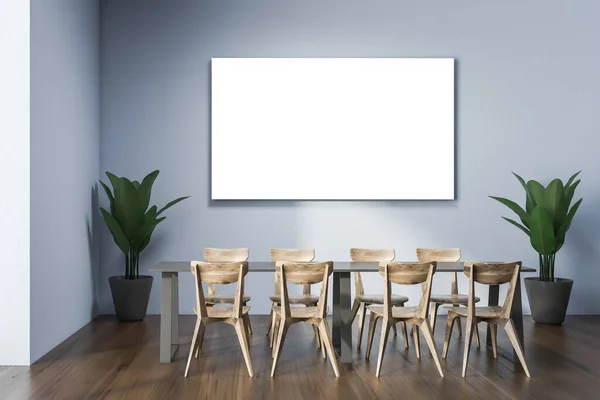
column 487, row 274
column 214, row 255
column 304, row 274
column 362, row 300
column 454, row 298
column 220, row 274
column 306, row 298
column 405, row 274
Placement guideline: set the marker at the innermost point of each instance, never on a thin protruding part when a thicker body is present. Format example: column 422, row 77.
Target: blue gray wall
column 65, row 140
column 528, row 92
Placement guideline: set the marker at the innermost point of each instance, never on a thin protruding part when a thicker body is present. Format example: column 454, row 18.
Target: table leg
column 493, row 296
column 336, row 317
column 169, row 316
column 342, row 328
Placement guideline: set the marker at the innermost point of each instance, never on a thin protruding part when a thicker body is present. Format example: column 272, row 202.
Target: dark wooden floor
column 111, row 360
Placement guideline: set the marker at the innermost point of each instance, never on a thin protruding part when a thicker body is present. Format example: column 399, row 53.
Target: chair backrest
column 293, row 255
column 493, row 274
column 215, row 255
column 304, row 274
column 368, row 255
column 226, row 255
column 219, row 274
column 439, row 255
column 407, row 274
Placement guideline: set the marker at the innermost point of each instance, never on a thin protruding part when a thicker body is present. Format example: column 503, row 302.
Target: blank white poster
column 332, row 129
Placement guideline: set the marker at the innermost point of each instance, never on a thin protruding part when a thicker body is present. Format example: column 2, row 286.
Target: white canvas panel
column 332, row 128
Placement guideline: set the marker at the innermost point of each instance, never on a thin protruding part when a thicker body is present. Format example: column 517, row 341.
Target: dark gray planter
column 548, row 300
column 130, row 296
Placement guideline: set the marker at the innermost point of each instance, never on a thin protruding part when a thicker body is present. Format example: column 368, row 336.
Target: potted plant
column 132, row 221
column 546, row 219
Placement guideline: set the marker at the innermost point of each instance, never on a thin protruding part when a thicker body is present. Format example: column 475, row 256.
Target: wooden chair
column 306, row 298
column 362, row 300
column 214, row 255
column 304, row 274
column 454, row 298
column 405, row 274
column 220, row 274
column 487, row 274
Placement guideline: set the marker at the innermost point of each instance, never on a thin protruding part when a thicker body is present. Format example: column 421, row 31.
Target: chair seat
column 378, row 298
column 298, row 312
column 456, row 299
column 223, row 299
column 221, row 311
column 397, row 312
column 307, row 299
column 480, row 312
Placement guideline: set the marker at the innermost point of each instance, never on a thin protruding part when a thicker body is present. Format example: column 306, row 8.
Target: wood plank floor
column 111, row 360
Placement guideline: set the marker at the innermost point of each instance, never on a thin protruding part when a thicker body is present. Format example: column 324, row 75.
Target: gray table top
column 338, row 266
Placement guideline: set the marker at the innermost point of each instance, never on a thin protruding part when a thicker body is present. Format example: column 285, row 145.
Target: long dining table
column 342, row 301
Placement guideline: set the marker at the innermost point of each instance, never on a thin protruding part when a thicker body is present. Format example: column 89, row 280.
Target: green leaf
column 147, row 241
column 529, row 202
column 145, row 190
column 170, row 204
column 136, row 185
column 116, row 231
column 518, row 225
column 570, row 192
column 542, row 232
column 537, row 191
column 515, row 208
column 114, row 180
column 554, row 203
column 572, row 178
column 108, row 192
column 562, row 232
column 128, row 212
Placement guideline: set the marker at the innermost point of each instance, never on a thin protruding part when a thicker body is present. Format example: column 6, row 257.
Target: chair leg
column 433, row 309
column 385, row 330
column 199, row 341
column 449, row 325
column 273, row 321
column 270, row 322
column 317, row 336
column 324, row 329
column 323, row 349
column 469, row 335
column 459, row 325
column 248, row 325
column 241, row 331
column 355, row 307
column 361, row 322
column 427, row 334
column 493, row 330
column 372, row 324
column 248, row 331
column 283, row 327
column 514, row 339
column 193, row 346
column 395, row 330
column 275, row 329
column 476, row 335
column 415, row 332
column 404, row 334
